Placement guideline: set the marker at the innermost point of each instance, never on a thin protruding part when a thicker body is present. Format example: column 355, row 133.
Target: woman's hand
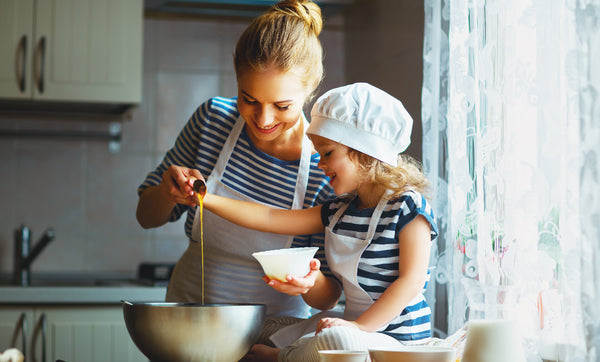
column 331, row 322
column 156, row 203
column 177, row 184
column 296, row 285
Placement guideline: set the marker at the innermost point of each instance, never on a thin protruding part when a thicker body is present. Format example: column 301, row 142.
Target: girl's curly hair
column 406, row 176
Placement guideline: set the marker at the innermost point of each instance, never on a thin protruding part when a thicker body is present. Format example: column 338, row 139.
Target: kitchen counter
column 80, row 294
column 81, row 290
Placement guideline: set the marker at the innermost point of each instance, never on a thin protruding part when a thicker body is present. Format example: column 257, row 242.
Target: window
column 511, row 127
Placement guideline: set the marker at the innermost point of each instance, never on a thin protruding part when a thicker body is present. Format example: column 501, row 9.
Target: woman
column 254, row 148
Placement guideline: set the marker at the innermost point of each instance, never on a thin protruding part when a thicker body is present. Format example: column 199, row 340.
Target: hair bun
column 308, row 11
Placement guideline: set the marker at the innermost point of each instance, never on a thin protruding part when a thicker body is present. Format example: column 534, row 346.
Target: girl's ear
column 353, row 155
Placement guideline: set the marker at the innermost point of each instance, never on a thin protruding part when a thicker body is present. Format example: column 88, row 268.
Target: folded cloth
column 287, row 335
column 11, row 355
column 456, row 340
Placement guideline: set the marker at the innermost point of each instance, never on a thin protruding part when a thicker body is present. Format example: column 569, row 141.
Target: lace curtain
column 511, row 127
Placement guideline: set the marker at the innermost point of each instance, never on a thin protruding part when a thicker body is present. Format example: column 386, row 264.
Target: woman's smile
column 267, row 129
column 270, row 101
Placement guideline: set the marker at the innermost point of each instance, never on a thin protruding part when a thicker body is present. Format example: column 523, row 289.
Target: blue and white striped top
column 249, row 171
column 378, row 265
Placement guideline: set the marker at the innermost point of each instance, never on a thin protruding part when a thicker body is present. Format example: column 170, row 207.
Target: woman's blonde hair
column 406, row 176
column 287, row 37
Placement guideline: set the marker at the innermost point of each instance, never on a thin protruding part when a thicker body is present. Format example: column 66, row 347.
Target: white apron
column 232, row 275
column 343, row 254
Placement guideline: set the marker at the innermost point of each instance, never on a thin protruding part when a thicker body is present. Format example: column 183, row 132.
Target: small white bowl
column 413, row 354
column 278, row 263
column 342, row 355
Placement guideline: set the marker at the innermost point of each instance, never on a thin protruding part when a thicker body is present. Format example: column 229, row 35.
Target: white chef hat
column 364, row 118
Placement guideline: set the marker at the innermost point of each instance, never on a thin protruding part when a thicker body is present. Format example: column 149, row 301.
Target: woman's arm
column 153, row 209
column 414, row 248
column 156, row 203
column 263, row 218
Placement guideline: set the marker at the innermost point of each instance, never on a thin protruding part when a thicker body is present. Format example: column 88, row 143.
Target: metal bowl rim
column 191, row 304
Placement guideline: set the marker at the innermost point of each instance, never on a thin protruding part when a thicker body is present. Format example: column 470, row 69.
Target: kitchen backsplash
column 88, row 194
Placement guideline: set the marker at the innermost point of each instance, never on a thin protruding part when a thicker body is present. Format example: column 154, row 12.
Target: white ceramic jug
column 493, row 341
column 492, row 331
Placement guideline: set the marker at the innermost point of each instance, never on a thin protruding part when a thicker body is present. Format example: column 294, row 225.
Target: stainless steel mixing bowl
column 192, row 331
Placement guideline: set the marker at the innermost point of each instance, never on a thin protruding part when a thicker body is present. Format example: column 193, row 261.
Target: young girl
column 378, row 233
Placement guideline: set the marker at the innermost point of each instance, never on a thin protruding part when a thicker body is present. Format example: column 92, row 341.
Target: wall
column 384, row 47
column 87, row 194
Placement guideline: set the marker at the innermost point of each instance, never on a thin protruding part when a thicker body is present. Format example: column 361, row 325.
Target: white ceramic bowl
column 413, row 354
column 278, row 263
column 342, row 355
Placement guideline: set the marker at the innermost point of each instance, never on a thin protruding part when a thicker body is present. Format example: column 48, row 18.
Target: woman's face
column 270, row 101
column 337, row 164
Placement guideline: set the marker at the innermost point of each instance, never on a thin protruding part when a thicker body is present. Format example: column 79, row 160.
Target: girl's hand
column 177, row 182
column 296, row 285
column 330, row 322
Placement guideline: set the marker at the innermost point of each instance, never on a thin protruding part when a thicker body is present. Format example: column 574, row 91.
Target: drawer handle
column 40, row 326
column 42, row 47
column 44, row 335
column 22, row 326
column 23, row 52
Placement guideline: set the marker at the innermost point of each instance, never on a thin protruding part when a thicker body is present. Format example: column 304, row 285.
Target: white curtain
column 511, row 127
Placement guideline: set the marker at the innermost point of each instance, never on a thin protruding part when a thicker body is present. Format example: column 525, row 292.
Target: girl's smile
column 337, row 165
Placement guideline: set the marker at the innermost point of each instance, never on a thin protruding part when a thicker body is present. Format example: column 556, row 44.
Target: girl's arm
column 414, row 247
column 316, row 289
column 263, row 218
column 324, row 294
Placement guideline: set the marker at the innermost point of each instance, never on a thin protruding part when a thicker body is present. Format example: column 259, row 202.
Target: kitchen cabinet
column 71, row 50
column 68, row 332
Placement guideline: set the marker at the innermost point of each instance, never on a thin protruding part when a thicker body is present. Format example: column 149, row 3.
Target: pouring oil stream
column 200, row 190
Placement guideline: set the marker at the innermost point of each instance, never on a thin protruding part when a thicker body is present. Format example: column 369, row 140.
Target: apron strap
column 228, row 146
column 377, row 214
column 303, row 166
column 338, row 214
column 374, row 218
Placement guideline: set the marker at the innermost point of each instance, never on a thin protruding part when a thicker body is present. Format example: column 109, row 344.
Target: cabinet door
column 85, row 333
column 88, row 50
column 16, row 39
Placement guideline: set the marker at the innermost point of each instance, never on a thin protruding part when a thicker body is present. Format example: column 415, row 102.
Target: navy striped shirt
column 378, row 265
column 249, row 171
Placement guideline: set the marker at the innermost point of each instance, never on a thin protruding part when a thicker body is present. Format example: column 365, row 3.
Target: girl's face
column 270, row 101
column 337, row 164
